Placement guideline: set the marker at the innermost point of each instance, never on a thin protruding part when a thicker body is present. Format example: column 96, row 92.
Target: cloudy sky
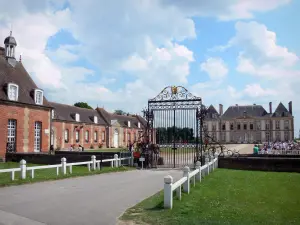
column 118, row 54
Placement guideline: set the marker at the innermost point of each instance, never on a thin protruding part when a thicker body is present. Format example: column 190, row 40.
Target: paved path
column 92, row 200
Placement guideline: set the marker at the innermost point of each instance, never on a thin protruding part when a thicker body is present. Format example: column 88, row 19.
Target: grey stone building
column 250, row 123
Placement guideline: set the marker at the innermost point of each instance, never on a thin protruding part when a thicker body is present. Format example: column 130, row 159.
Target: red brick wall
column 60, row 127
column 25, row 118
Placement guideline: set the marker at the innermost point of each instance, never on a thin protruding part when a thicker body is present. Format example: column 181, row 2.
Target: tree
column 82, row 105
column 120, row 112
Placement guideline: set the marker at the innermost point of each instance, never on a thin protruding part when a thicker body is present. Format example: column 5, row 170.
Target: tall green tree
column 82, row 105
column 120, row 112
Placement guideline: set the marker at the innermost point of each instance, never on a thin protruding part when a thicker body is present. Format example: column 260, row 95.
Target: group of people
column 79, row 148
column 278, row 145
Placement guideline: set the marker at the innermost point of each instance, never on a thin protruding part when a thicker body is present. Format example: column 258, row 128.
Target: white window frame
column 66, row 136
column 129, row 123
column 86, row 136
column 139, row 125
column 286, row 125
column 77, row 117
column 36, row 100
column 77, row 136
column 103, row 136
column 95, row 119
column 95, row 136
column 37, row 136
column 9, row 89
column 12, row 134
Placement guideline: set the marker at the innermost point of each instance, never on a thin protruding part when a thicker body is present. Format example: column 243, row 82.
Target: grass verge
column 228, row 197
column 49, row 174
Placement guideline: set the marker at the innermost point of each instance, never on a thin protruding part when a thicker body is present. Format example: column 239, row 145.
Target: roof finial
column 20, row 58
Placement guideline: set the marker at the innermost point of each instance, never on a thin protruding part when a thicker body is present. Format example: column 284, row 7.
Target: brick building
column 30, row 123
column 250, row 123
column 24, row 110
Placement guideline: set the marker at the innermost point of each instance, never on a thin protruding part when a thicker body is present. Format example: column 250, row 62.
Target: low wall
column 40, row 158
column 262, row 163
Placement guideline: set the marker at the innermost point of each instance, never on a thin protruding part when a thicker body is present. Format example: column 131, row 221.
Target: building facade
column 30, row 123
column 250, row 124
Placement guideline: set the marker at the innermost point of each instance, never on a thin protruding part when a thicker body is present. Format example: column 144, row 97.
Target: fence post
column 168, row 193
column 186, row 185
column 217, row 163
column 23, row 169
column 64, row 165
column 116, row 160
column 198, row 167
column 93, row 162
column 207, row 168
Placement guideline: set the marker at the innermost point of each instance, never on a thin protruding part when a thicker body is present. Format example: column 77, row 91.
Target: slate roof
column 238, row 111
column 64, row 112
column 19, row 76
column 122, row 119
column 212, row 113
column 281, row 111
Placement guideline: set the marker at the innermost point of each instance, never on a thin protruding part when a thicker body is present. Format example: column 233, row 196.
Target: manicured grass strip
column 49, row 174
column 228, row 197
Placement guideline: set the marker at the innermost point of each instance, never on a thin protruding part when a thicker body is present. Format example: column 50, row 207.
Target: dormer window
column 95, row 119
column 77, row 117
column 128, row 123
column 139, row 125
column 13, row 92
column 38, row 97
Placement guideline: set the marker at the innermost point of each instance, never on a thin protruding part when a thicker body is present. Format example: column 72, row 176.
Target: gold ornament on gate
column 174, row 90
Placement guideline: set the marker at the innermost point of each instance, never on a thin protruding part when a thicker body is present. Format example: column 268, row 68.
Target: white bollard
column 93, row 162
column 57, row 171
column 70, row 168
column 13, row 175
column 168, row 194
column 32, row 173
column 116, row 160
column 23, row 169
column 64, row 165
column 111, row 164
column 198, row 167
column 186, row 185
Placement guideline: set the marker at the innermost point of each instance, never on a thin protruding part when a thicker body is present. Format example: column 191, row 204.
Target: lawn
column 228, row 197
column 49, row 174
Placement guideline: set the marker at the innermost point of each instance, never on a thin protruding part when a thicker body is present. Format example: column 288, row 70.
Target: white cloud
column 226, row 9
column 215, row 67
column 256, row 91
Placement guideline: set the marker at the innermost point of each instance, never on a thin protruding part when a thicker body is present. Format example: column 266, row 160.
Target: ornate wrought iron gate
column 174, row 124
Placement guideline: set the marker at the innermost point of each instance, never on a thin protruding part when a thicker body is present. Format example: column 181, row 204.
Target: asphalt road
column 91, row 200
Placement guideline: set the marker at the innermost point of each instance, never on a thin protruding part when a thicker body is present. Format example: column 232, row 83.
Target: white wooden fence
column 94, row 164
column 188, row 177
column 281, row 152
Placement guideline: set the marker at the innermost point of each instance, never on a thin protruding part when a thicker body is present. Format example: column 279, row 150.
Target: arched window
column 66, row 136
column 87, row 134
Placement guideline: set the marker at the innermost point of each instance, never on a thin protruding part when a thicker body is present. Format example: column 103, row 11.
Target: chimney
column 270, row 107
column 220, row 109
column 291, row 108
